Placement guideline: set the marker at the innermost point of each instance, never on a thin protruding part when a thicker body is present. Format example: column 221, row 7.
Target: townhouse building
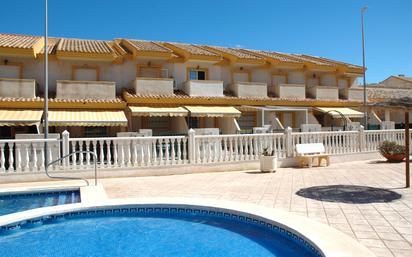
column 99, row 88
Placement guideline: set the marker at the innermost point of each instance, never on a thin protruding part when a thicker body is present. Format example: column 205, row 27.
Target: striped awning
column 89, row 118
column 13, row 118
column 158, row 111
column 336, row 112
column 213, row 111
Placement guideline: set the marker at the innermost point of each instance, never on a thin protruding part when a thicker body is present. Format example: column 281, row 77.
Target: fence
column 26, row 156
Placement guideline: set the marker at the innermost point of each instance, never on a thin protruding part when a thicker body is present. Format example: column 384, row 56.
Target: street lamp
column 46, row 85
column 365, row 112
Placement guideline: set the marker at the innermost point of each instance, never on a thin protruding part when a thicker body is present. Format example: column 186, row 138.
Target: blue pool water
column 22, row 202
column 161, row 234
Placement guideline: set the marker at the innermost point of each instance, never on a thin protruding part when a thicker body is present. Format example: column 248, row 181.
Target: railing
column 27, row 156
column 226, row 148
column 124, row 152
column 335, row 142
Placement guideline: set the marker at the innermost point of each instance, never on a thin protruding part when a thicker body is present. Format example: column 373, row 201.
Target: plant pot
column 394, row 157
column 268, row 163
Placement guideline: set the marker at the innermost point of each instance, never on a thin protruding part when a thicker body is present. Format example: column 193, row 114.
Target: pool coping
column 329, row 241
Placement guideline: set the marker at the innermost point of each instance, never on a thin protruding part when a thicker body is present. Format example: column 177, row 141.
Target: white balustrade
column 225, row 148
column 27, row 156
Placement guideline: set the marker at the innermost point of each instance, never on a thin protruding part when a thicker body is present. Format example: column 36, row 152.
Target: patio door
column 85, row 74
column 10, row 71
column 240, row 77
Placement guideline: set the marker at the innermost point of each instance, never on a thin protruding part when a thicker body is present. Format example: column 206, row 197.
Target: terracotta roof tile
column 18, row 41
column 84, row 46
column 388, row 93
column 194, row 49
column 323, row 59
column 239, row 53
column 178, row 94
column 116, row 100
column 311, row 60
column 277, row 56
column 142, row 45
column 52, row 45
column 20, row 99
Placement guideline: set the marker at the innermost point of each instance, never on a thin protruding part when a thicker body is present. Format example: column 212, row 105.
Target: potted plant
column 268, row 161
column 392, row 151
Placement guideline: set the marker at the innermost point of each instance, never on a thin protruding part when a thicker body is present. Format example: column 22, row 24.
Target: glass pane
column 201, row 75
column 193, row 75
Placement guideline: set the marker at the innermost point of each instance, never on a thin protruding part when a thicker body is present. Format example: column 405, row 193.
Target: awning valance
column 213, row 111
column 20, row 117
column 336, row 112
column 92, row 118
column 158, row 111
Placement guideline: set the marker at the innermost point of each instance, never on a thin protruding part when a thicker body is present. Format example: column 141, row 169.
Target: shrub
column 266, row 152
column 389, row 147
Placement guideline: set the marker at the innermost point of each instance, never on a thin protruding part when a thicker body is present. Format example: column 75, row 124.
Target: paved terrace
column 365, row 200
column 378, row 217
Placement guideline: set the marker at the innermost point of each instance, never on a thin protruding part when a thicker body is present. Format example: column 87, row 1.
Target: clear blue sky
column 328, row 28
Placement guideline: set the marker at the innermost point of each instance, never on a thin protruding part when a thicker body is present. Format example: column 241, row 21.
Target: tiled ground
column 384, row 227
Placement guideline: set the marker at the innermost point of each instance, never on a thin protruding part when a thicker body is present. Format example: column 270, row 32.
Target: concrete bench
column 307, row 153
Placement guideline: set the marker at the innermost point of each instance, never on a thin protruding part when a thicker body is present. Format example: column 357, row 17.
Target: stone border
column 327, row 240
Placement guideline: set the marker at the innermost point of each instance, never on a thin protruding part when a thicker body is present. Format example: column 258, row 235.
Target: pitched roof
column 237, row 52
column 142, row 45
column 277, row 56
column 194, row 49
column 84, row 46
column 388, row 93
column 18, row 41
column 51, row 46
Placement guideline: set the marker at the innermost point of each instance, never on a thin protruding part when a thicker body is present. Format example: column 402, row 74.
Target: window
column 196, row 74
column 159, row 125
column 95, row 131
column 247, row 121
column 193, row 122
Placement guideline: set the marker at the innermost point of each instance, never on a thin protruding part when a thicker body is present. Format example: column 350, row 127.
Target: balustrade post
column 191, row 145
column 288, row 140
column 65, row 147
column 361, row 139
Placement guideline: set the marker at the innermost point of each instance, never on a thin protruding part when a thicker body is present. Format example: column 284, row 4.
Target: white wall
column 328, row 80
column 296, row 77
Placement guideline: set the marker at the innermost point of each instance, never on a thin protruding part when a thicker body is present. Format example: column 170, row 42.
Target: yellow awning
column 213, row 111
column 87, row 118
column 158, row 111
column 336, row 112
column 20, row 117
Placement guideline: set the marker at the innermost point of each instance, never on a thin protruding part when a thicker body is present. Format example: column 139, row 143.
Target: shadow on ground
column 349, row 194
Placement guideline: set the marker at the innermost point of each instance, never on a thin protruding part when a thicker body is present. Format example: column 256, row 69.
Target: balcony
column 249, row 89
column 25, row 88
column 77, row 89
column 203, row 87
column 153, row 86
column 354, row 94
column 323, row 92
column 293, row 91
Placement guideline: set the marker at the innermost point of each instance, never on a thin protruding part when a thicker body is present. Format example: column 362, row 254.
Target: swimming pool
column 16, row 202
column 151, row 231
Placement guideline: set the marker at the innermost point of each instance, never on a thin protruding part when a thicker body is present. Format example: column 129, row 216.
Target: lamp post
column 363, row 10
column 46, row 86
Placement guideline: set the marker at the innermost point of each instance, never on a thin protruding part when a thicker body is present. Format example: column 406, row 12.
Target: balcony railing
column 249, row 89
column 323, row 92
column 10, row 87
column 354, row 94
column 293, row 91
column 79, row 89
column 204, row 87
column 155, row 86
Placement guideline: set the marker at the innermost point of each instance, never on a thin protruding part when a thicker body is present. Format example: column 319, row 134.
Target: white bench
column 308, row 152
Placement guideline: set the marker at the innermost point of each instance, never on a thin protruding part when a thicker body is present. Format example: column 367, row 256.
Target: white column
column 191, row 145
column 289, row 145
column 65, row 147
